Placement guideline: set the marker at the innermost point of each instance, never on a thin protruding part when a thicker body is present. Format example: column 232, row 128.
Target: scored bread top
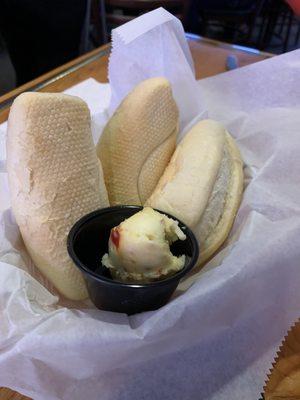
column 138, row 141
column 55, row 178
column 188, row 181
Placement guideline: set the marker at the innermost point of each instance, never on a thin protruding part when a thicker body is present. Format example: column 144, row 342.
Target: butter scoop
column 139, row 248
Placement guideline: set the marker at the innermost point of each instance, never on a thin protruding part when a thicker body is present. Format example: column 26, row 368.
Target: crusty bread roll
column 55, row 178
column 203, row 184
column 138, row 141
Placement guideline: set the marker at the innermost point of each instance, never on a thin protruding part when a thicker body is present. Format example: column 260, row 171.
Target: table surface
column 209, row 58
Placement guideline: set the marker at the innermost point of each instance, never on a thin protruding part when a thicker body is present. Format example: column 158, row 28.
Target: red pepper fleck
column 115, row 237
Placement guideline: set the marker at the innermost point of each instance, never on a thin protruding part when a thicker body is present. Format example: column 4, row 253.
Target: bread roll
column 203, row 184
column 55, row 178
column 138, row 141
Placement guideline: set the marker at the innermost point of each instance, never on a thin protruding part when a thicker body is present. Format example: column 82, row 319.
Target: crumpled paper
column 154, row 45
column 217, row 337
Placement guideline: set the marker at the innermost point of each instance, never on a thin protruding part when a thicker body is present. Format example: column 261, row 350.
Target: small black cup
column 87, row 243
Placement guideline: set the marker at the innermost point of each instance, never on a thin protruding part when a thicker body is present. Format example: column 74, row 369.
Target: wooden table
column 209, row 57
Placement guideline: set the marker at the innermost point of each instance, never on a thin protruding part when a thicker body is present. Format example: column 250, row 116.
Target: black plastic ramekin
column 88, row 242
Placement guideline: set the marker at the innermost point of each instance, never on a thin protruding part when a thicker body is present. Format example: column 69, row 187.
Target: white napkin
column 154, row 45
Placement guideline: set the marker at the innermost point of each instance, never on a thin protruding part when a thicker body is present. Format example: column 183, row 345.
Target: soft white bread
column 55, row 178
column 138, row 142
column 203, row 184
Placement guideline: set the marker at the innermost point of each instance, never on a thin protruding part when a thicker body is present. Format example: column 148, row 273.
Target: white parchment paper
column 217, row 337
column 154, row 45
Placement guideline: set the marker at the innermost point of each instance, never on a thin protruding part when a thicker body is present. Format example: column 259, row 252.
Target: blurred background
column 37, row 36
